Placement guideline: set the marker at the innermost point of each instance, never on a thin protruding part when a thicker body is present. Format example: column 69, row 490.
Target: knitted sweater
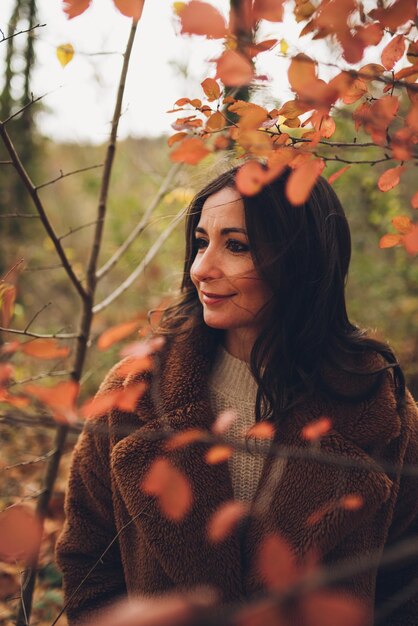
column 232, row 386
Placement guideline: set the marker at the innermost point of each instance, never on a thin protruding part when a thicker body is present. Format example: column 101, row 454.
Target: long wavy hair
column 303, row 254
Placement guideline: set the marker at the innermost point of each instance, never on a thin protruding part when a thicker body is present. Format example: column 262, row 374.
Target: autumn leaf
column 234, row 69
column 225, row 519
column 262, row 430
column 397, row 14
column 20, row 533
column 271, row 10
column 117, row 333
column 302, row 180
column 393, row 51
column 65, row 53
column 403, row 224
column 335, row 176
column 45, row 349
column 414, row 201
column 60, row 399
column 125, row 399
column 250, row 178
column 177, row 137
column 6, row 373
column 201, row 18
column 302, row 75
column 218, row 454
column 185, row 438
column 276, row 563
column 389, row 179
column 130, row 8
column 191, row 150
column 170, row 487
column 350, row 502
column 316, row 429
column 390, row 240
column 357, row 90
column 75, row 7
column 211, row 89
column 7, row 302
column 411, row 241
column 215, row 122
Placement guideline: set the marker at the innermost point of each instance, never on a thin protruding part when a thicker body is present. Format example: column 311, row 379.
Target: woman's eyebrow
column 224, row 231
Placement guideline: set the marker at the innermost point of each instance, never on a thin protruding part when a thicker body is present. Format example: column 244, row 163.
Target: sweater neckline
column 232, row 376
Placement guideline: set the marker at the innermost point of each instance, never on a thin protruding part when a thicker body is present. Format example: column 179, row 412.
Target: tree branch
column 62, row 175
column 15, row 331
column 21, row 32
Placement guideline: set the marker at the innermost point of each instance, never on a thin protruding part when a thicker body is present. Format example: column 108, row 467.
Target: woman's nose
column 207, row 266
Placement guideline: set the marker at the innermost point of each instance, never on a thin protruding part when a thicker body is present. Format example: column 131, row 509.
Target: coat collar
column 289, row 506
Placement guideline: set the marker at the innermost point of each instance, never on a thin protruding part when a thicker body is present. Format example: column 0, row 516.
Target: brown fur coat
column 117, row 541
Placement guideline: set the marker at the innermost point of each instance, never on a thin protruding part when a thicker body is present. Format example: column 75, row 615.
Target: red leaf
column 302, row 76
column 302, row 180
column 185, row 438
column 215, row 122
column 125, row 399
column 389, row 179
column 355, row 92
column 20, row 533
column 335, row 176
column 262, row 430
column 75, row 7
column 403, row 224
column 45, row 349
column 316, row 429
column 170, row 486
column 218, row 454
column 411, row 241
column 397, row 14
column 130, row 8
column 177, row 137
column 6, row 373
column 389, row 241
column 225, row 519
column 414, row 201
column 191, row 150
column 393, row 51
column 211, row 89
column 271, row 10
column 117, row 333
column 60, row 399
column 201, row 18
column 276, row 563
column 7, row 302
column 250, row 178
column 234, row 69
column 350, row 502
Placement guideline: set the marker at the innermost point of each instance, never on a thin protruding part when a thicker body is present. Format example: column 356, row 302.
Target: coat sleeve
column 88, row 549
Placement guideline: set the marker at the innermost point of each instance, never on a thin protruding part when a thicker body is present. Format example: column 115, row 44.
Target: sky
column 165, row 66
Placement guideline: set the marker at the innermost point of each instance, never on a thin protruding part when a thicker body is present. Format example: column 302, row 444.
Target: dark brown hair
column 303, row 254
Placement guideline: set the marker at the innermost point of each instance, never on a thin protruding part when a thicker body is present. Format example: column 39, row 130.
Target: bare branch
column 65, row 175
column 13, row 419
column 41, row 211
column 38, row 459
column 75, row 230
column 26, row 106
column 41, row 310
column 355, row 162
column 141, row 267
column 20, row 32
column 24, row 215
column 142, row 224
column 15, row 331
column 31, row 379
column 6, row 162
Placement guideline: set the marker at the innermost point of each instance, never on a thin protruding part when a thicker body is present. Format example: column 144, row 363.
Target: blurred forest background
column 382, row 287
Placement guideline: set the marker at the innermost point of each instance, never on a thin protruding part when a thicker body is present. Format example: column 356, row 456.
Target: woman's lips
column 214, row 298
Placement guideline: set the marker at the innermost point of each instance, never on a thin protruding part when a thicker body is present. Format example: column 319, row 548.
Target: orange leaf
column 271, row 10
column 211, row 89
column 130, row 8
column 393, row 51
column 60, row 399
column 125, row 399
column 7, row 302
column 191, row 150
column 389, row 241
column 170, row 486
column 262, row 430
column 20, row 533
column 397, row 14
column 411, row 241
column 215, row 122
column 302, row 75
column 302, row 180
column 218, row 454
column 201, row 18
column 185, row 438
column 403, row 224
column 355, row 92
column 225, row 519
column 117, row 333
column 316, row 429
column 6, row 373
column 350, row 502
column 292, row 109
column 276, row 563
column 75, row 7
column 324, row 608
column 223, row 421
column 234, row 69
column 45, row 349
column 414, row 201
column 174, row 138
column 250, row 178
column 389, row 179
column 143, row 349
column 335, row 176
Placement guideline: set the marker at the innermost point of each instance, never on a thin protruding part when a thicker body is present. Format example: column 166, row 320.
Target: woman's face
column 229, row 287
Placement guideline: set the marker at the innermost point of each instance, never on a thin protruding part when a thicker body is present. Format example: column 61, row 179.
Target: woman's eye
column 201, row 243
column 237, row 246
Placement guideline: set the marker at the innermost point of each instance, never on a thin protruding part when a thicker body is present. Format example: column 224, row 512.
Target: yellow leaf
column 284, row 46
column 65, row 53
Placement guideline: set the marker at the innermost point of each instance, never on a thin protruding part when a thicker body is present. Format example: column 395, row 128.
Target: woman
column 261, row 327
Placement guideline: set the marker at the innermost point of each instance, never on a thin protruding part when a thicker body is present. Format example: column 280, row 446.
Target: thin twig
column 38, row 459
column 24, row 215
column 31, row 379
column 75, row 230
column 26, row 106
column 21, row 32
column 15, row 331
column 41, row 310
column 66, row 174
column 142, row 224
column 142, row 266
